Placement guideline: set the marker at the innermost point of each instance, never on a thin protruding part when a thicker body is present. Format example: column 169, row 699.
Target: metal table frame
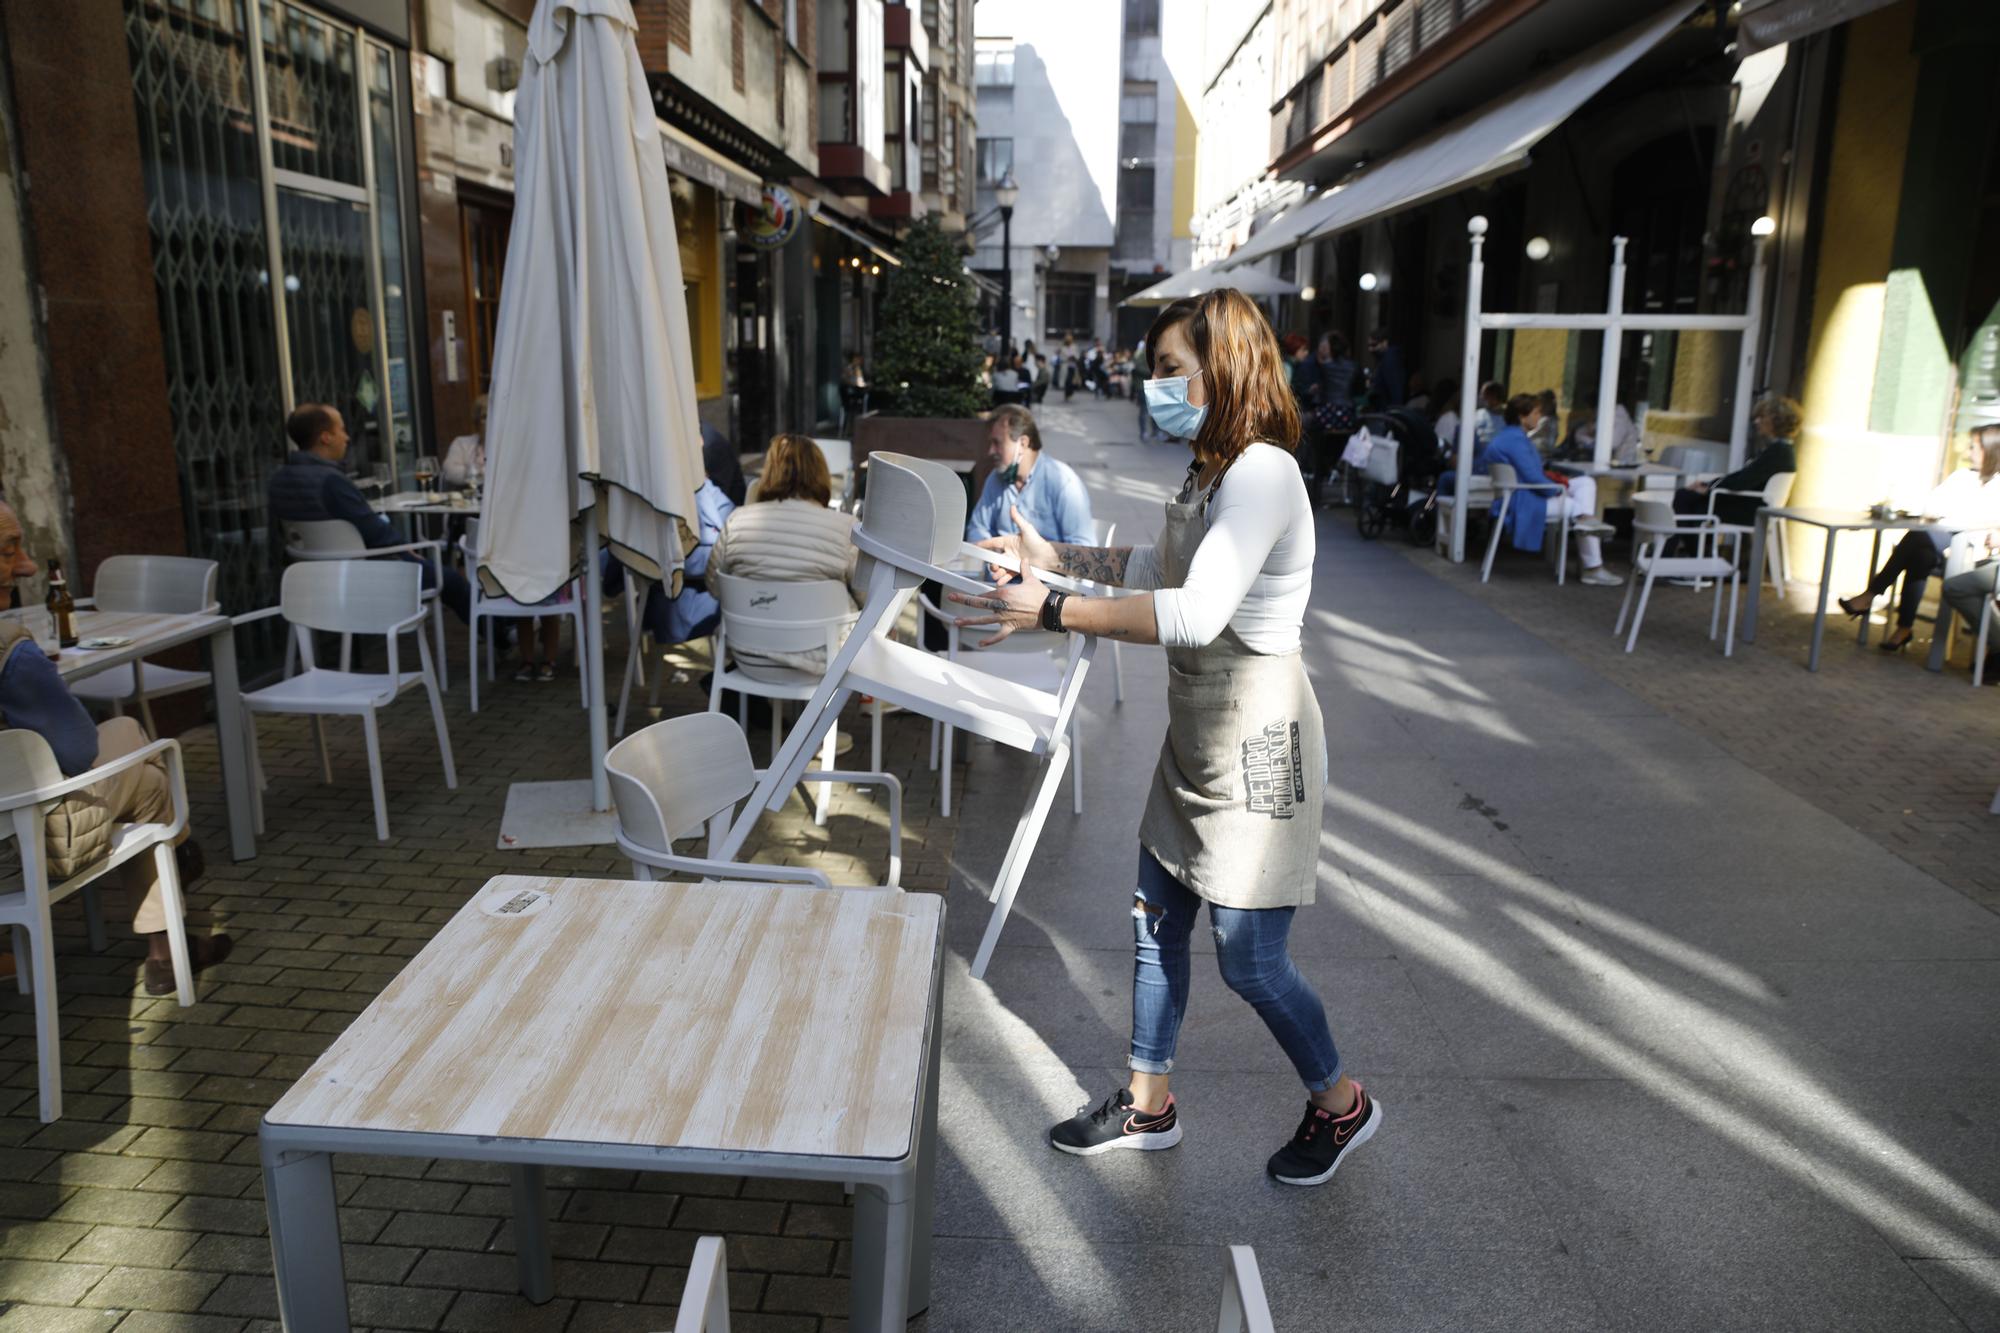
column 893, row 1199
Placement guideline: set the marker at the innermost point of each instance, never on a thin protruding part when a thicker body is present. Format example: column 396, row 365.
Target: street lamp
column 1004, row 194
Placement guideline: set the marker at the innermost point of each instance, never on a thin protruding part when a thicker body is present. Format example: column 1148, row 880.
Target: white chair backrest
column 351, row 596
column 1505, row 478
column 768, row 616
column 671, row 778
column 27, row 763
column 1779, row 488
column 916, row 507
column 167, row 584
column 1653, row 513
column 1105, row 532
column 323, row 536
column 839, row 455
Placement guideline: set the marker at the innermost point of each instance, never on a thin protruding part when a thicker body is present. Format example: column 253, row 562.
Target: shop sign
column 775, row 220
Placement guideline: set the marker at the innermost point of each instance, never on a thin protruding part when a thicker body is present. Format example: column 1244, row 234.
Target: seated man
column 695, row 613
column 1046, row 491
column 78, row 830
column 310, row 486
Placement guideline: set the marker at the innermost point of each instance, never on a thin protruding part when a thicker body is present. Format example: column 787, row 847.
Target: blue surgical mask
column 1167, row 400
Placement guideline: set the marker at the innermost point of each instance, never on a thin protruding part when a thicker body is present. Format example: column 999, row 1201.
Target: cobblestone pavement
column 1908, row 758
column 142, row 1208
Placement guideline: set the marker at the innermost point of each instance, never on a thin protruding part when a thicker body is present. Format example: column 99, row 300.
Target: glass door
column 330, row 322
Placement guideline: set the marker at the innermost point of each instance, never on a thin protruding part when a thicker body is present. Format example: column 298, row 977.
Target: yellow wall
column 1843, row 464
column 1187, row 136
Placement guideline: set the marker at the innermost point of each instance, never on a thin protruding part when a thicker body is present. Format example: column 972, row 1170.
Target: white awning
column 1194, row 282
column 1488, row 142
column 1769, row 23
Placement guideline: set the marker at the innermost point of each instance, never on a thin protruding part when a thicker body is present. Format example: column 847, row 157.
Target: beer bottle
column 61, row 606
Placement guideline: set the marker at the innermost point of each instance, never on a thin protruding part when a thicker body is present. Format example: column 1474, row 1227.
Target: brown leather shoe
column 201, row 953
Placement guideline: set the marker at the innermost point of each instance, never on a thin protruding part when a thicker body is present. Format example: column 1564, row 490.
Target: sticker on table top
column 103, row 641
column 521, row 902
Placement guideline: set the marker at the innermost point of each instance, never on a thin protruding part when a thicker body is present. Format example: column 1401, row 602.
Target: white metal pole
column 593, row 657
column 1468, row 393
column 1614, row 347
column 1746, row 358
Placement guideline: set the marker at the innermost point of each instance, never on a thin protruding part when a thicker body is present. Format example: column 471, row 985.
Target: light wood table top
column 758, row 1018
column 149, row 631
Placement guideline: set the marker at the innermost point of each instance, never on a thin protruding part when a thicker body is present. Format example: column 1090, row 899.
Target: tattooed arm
column 1098, row 564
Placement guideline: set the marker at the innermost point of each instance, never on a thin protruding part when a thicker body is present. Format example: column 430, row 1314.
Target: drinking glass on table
column 384, row 477
column 427, row 470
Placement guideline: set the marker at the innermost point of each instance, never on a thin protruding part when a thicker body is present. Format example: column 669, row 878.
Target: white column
column 1746, row 359
column 1468, row 394
column 1614, row 347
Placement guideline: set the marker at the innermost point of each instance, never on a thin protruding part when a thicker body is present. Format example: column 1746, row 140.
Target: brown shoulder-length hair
column 794, row 469
column 1249, row 395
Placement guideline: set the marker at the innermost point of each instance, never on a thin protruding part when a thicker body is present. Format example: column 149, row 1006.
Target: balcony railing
column 1325, row 83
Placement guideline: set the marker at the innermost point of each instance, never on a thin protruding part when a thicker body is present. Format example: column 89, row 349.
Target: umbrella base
column 554, row 814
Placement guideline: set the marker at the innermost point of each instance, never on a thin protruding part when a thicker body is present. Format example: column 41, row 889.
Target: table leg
column 1825, row 591
column 305, row 1240
column 879, row 1291
column 230, row 741
column 531, row 1233
column 1874, row 563
column 1759, row 534
column 923, row 1213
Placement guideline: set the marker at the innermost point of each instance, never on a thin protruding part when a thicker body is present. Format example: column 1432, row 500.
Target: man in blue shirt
column 78, row 828
column 311, row 486
column 1047, row 492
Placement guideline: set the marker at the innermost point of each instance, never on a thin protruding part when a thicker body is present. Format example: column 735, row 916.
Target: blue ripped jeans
column 1249, row 948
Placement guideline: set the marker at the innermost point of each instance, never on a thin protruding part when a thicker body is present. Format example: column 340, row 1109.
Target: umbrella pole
column 593, row 659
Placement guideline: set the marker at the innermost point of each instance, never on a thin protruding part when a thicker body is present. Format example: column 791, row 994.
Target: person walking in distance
column 1232, row 821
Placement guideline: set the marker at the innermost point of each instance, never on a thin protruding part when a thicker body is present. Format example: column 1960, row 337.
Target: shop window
column 1071, row 301
column 1142, row 18
column 483, row 233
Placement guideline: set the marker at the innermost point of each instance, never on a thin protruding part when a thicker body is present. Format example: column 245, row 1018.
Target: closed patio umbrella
column 591, row 419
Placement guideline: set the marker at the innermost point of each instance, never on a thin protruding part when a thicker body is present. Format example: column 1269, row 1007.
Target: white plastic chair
column 351, row 597
column 495, row 608
column 673, row 779
column 771, row 616
column 1654, row 524
column 1106, row 532
column 840, row 468
column 336, row 539
column 1506, row 482
column 34, row 783
column 913, row 528
column 1245, row 1309
column 1775, row 493
column 163, row 584
column 705, row 1295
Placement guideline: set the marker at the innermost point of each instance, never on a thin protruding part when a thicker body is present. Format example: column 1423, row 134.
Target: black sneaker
column 1116, row 1125
column 1323, row 1141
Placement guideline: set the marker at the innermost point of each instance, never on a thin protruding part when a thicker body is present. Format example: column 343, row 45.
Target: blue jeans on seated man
column 456, row 592
column 1250, row 948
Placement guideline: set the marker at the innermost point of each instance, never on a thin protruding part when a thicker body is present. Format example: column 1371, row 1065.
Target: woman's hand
column 1026, row 545
column 1010, row 606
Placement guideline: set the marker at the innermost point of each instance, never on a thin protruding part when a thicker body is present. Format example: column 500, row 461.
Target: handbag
column 1336, row 418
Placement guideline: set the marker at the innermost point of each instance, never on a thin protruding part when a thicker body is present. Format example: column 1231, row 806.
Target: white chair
column 33, row 784
column 495, row 608
column 1654, row 525
column 1506, row 483
column 1245, row 1309
column 705, row 1295
column 683, row 774
column 336, row 539
column 840, row 468
column 1775, row 493
column 769, row 616
column 350, row 597
column 1106, row 532
column 163, row 584
column 912, row 530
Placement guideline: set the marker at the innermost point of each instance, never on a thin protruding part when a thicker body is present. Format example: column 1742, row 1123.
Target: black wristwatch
column 1052, row 606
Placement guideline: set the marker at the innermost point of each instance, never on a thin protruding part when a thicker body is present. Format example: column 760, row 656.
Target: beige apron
column 1234, row 811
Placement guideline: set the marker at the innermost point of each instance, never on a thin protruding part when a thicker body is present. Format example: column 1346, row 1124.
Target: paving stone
column 154, row 1288
column 149, row 1321
column 438, row 1231
column 50, row 1319
column 36, row 1283
column 483, row 1312
column 201, row 1213
column 146, row 1247
column 117, row 1207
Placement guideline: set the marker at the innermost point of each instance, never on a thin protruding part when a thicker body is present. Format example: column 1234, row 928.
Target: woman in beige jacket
column 787, row 534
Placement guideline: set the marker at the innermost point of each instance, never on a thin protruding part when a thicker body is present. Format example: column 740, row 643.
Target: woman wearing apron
column 1233, row 817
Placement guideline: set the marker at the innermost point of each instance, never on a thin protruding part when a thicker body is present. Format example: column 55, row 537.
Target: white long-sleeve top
column 1253, row 570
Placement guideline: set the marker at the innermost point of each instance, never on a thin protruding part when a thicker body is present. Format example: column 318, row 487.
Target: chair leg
column 257, row 782
column 1027, row 832
column 944, row 774
column 24, row 961
column 1715, row 616
column 146, row 718
column 582, row 684
column 1729, row 636
column 472, row 655
column 777, row 726
column 48, row 1028
column 1562, row 550
column 1492, row 545
column 936, row 727
column 170, row 898
column 437, row 720
column 1625, row 607
column 1117, row 675
column 93, row 919
column 1076, row 761
column 375, row 775
column 1979, row 650
column 325, row 759
column 875, row 737
column 437, row 628
column 346, row 652
column 1639, row 614
column 827, row 749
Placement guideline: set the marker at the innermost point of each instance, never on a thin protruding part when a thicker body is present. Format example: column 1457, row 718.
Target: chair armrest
column 736, row 870
column 1553, row 487
column 895, row 789
column 403, row 548
column 84, row 603
column 249, row 616
column 55, row 791
column 1049, row 577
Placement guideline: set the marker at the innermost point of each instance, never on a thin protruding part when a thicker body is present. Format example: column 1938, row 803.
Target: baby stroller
column 1404, row 463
